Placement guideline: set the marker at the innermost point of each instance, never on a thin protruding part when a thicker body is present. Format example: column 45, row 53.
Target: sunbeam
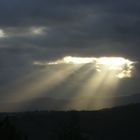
column 96, row 89
column 102, row 82
column 98, row 77
column 45, row 82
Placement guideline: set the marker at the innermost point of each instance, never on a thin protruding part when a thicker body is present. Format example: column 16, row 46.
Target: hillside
column 121, row 123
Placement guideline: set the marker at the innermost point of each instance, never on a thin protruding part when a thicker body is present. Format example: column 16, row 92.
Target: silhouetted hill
column 119, row 123
column 128, row 99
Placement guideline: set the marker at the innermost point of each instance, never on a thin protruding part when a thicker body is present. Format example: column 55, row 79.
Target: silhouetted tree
column 8, row 131
column 70, row 129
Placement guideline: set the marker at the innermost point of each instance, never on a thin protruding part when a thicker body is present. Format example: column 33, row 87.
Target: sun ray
column 105, row 73
column 97, row 88
column 69, row 87
column 43, row 83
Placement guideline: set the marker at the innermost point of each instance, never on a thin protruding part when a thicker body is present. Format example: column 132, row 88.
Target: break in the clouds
column 2, row 34
column 120, row 67
column 48, row 29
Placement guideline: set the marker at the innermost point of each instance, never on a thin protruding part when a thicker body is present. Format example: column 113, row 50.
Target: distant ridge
column 67, row 104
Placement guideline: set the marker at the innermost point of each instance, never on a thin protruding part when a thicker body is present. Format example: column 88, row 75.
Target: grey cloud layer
column 99, row 26
column 73, row 24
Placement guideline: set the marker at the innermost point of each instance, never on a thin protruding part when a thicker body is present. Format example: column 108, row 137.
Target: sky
column 47, row 30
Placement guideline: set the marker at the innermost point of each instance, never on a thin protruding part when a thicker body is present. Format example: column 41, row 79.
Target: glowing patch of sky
column 123, row 68
column 2, row 34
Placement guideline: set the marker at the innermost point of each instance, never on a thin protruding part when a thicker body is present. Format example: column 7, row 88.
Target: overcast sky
column 41, row 30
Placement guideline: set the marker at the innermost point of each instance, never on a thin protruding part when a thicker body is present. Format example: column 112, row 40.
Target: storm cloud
column 95, row 25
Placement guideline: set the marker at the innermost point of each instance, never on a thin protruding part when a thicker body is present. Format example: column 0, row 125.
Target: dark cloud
column 71, row 23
